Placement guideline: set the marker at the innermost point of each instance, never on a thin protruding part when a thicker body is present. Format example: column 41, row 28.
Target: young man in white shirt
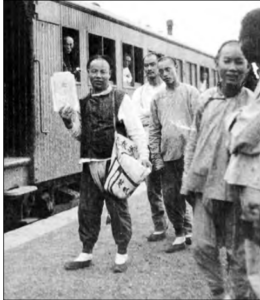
column 142, row 98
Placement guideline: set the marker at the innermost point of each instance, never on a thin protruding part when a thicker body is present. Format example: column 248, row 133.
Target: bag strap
column 114, row 108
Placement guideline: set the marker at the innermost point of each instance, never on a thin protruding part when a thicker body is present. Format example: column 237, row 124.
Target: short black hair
column 250, row 35
column 222, row 46
column 98, row 56
column 152, row 53
column 170, row 58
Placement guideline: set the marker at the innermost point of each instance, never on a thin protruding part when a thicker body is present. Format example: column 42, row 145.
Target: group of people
column 204, row 149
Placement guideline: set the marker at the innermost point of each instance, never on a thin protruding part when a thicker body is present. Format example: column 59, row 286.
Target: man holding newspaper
column 93, row 126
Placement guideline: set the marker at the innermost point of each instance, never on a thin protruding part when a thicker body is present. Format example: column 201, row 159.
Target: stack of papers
column 64, row 92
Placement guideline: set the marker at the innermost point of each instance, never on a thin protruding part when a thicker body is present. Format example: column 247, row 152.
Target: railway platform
column 34, row 257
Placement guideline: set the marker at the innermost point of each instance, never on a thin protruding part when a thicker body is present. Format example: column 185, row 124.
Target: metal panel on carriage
column 56, row 153
column 48, row 11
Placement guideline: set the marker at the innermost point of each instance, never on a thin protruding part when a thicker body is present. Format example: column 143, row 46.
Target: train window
column 132, row 65
column 71, row 55
column 193, row 80
column 103, row 46
column 138, row 59
column 204, row 79
column 179, row 65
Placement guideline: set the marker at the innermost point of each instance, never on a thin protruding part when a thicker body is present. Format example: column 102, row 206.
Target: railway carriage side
column 38, row 148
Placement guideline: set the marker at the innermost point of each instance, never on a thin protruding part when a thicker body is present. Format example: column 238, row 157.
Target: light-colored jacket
column 244, row 129
column 206, row 156
column 172, row 113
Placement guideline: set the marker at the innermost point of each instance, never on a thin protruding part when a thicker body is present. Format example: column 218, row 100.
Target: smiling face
column 232, row 65
column 99, row 74
column 167, row 71
column 151, row 66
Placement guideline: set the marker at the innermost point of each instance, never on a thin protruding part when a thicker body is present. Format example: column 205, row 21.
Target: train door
column 56, row 154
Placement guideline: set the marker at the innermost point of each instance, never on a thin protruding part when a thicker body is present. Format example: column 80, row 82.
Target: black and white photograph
column 131, row 149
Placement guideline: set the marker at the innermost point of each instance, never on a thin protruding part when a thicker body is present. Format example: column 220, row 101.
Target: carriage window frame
column 190, row 65
column 202, row 70
column 75, row 34
column 179, row 64
column 106, row 46
column 136, row 67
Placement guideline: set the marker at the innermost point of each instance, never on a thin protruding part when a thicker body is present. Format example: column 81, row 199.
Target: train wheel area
column 39, row 251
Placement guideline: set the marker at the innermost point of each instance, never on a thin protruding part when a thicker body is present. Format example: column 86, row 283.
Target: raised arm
column 72, row 121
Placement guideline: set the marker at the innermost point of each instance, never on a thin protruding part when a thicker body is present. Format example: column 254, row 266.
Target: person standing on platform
column 94, row 127
column 172, row 112
column 206, row 161
column 142, row 98
column 243, row 172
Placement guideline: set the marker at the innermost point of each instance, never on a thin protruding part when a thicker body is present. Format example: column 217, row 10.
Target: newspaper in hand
column 64, row 92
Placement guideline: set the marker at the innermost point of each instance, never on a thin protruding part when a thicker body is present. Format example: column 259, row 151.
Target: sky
column 204, row 25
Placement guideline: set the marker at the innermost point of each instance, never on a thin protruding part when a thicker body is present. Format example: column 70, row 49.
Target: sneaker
column 82, row 261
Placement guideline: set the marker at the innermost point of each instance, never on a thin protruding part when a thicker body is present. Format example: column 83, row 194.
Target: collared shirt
column 172, row 112
column 244, row 166
column 206, row 156
column 142, row 98
column 132, row 123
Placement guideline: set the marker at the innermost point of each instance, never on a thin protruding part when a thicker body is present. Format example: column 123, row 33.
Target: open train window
column 71, row 53
column 103, row 46
column 132, row 65
column 192, row 69
column 204, row 79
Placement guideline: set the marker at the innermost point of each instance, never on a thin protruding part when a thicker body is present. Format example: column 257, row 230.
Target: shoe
column 82, row 261
column 175, row 248
column 75, row 265
column 156, row 237
column 120, row 268
column 177, row 245
column 120, row 265
column 188, row 240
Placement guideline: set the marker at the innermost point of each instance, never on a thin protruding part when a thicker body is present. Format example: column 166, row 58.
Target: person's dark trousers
column 90, row 211
column 154, row 193
column 174, row 202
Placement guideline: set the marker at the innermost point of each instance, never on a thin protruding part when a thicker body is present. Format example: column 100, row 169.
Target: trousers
column 90, row 211
column 251, row 233
column 217, row 224
column 154, row 193
column 174, row 202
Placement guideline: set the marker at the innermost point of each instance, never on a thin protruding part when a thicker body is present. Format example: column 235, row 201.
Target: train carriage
column 37, row 147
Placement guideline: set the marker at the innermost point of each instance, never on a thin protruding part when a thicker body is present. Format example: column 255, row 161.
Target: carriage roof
column 105, row 14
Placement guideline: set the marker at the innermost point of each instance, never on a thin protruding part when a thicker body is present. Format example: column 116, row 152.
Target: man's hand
column 66, row 112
